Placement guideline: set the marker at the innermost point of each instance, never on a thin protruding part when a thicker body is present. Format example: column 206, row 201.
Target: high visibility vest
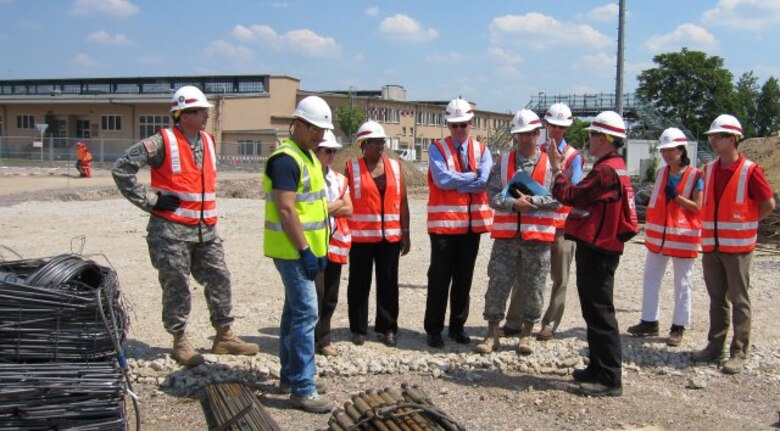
column 569, row 153
column 536, row 225
column 607, row 225
column 449, row 211
column 311, row 204
column 729, row 224
column 180, row 176
column 671, row 229
column 340, row 238
column 375, row 217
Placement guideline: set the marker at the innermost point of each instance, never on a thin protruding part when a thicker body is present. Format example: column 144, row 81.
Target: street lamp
column 41, row 128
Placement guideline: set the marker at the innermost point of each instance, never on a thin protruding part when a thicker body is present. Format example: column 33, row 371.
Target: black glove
column 322, row 263
column 309, row 262
column 671, row 192
column 166, row 203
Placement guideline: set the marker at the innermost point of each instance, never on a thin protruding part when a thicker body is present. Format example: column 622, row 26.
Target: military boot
column 490, row 342
column 227, row 342
column 526, row 345
column 183, row 352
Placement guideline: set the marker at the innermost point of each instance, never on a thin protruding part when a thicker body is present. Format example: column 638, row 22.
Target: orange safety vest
column 449, row 211
column 179, row 175
column 729, row 224
column 374, row 216
column 341, row 238
column 671, row 229
column 536, row 225
column 569, row 153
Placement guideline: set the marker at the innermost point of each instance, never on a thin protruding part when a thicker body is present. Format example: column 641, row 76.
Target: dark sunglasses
column 328, row 150
column 375, row 141
column 459, row 125
column 193, row 111
column 592, row 134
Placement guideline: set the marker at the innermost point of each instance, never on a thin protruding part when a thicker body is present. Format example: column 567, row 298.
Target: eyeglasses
column 720, row 135
column 312, row 128
column 375, row 141
column 327, row 150
column 592, row 134
column 194, row 111
column 458, row 125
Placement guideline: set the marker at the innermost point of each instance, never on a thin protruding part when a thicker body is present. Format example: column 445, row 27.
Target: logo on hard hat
column 458, row 112
column 560, row 115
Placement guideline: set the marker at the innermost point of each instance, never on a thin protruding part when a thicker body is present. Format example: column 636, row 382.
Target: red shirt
column 758, row 188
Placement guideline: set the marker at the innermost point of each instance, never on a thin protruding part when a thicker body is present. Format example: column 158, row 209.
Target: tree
column 746, row 94
column 500, row 139
column 768, row 110
column 349, row 118
column 577, row 136
column 689, row 87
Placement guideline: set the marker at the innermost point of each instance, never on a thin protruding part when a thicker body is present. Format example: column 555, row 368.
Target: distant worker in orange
column 83, row 160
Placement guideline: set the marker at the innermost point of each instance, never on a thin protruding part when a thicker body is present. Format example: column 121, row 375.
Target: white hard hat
column 316, row 111
column 188, row 97
column 525, row 120
column 671, row 138
column 458, row 111
column 329, row 141
column 610, row 123
column 370, row 130
column 559, row 114
column 725, row 123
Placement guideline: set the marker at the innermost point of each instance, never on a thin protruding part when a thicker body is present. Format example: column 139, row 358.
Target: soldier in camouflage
column 521, row 251
column 183, row 241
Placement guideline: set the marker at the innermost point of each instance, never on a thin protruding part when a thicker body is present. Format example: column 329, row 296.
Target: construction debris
column 233, row 406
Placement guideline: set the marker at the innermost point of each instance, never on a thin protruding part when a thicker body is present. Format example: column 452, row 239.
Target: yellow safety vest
column 311, row 204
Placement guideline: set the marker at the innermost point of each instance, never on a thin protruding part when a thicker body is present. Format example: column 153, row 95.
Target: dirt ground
column 42, row 210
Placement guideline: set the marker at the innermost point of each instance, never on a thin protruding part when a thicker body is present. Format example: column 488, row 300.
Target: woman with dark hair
column 672, row 230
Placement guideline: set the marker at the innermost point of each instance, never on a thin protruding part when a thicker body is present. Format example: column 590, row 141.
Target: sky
column 495, row 53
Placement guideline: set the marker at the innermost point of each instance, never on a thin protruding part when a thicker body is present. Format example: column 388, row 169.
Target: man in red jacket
column 603, row 217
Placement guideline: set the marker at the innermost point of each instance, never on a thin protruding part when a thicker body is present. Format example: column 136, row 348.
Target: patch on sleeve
column 150, row 146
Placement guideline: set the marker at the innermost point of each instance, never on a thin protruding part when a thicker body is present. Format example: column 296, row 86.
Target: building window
column 111, row 122
column 82, row 128
column 25, row 121
column 148, row 125
column 248, row 148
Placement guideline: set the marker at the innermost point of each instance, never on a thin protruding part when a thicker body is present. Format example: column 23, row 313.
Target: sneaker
column 644, row 329
column 328, row 351
column 734, row 365
column 285, row 388
column 546, row 334
column 600, row 390
column 313, row 403
column 707, row 355
column 675, row 336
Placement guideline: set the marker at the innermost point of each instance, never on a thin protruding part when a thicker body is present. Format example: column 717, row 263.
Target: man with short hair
column 736, row 197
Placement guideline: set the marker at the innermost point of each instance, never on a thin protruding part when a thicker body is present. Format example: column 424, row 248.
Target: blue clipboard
column 527, row 183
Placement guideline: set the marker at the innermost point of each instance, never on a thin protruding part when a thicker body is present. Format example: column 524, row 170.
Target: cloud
column 595, row 62
column 743, row 14
column 445, row 57
column 122, row 8
column 105, row 38
column 303, row 41
column 541, row 31
column 372, row 11
column 690, row 35
column 606, row 13
column 220, row 48
column 404, row 28
column 503, row 56
column 84, row 61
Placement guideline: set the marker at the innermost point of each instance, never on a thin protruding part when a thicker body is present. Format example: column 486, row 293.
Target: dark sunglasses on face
column 328, row 150
column 592, row 134
column 459, row 125
column 375, row 141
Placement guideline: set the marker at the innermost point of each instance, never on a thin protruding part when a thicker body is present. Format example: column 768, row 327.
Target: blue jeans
column 296, row 338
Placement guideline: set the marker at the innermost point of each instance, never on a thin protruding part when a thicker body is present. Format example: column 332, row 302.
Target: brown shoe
column 546, row 334
column 490, row 342
column 184, row 353
column 526, row 344
column 734, row 365
column 227, row 343
column 328, row 351
column 675, row 336
column 707, row 355
column 644, row 329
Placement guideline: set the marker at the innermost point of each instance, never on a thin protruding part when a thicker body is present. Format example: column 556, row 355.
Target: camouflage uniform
column 515, row 262
column 177, row 249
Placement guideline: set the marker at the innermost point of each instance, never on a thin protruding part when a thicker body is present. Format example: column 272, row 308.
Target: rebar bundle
column 389, row 410
column 233, row 406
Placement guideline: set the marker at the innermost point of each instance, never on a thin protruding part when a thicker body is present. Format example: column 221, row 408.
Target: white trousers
column 655, row 266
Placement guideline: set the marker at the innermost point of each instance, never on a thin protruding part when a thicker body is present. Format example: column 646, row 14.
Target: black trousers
column 595, row 284
column 327, row 284
column 362, row 259
column 452, row 263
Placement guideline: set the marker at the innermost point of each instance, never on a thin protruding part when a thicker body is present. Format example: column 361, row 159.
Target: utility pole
column 620, row 60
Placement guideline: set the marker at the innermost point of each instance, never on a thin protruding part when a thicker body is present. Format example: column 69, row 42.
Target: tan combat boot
column 526, row 345
column 183, row 352
column 490, row 342
column 227, row 342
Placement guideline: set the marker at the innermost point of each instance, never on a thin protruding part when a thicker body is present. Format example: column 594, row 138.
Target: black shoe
column 460, row 337
column 389, row 339
column 359, row 339
column 600, row 390
column 583, row 375
column 435, row 341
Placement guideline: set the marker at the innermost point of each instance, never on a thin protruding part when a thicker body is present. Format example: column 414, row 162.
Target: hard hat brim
column 526, row 129
column 721, row 130
column 562, row 123
column 461, row 119
column 606, row 132
column 671, row 145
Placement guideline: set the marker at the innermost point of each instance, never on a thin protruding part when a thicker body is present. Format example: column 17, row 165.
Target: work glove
column 309, row 262
column 166, row 203
column 671, row 192
column 322, row 263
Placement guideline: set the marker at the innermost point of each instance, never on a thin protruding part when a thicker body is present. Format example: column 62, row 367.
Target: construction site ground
column 44, row 210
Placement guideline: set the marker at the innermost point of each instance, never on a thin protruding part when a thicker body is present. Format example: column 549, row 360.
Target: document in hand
column 525, row 184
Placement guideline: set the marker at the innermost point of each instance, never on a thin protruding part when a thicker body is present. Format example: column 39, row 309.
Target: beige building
column 251, row 115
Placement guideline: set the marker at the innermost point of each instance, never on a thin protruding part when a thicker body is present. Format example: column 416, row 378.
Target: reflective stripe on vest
column 536, row 225
column 729, row 225
column 671, row 229
column 569, row 153
column 180, row 176
column 374, row 216
column 451, row 212
column 341, row 237
column 312, row 212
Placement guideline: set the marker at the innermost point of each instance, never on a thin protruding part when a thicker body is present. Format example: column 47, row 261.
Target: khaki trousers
column 727, row 276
